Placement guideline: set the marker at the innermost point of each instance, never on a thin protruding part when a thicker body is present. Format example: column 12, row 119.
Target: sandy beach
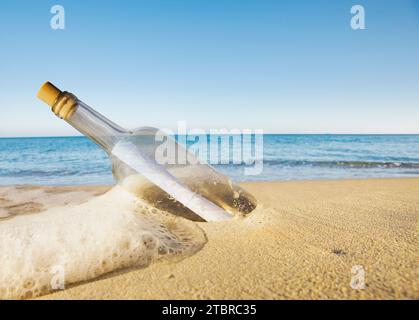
column 300, row 243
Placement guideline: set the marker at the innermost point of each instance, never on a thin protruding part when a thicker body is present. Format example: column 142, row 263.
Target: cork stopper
column 63, row 104
column 48, row 93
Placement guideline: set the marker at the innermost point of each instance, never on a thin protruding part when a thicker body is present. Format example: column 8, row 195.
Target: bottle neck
column 89, row 122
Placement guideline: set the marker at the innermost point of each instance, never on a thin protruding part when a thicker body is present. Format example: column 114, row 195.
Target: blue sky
column 282, row 66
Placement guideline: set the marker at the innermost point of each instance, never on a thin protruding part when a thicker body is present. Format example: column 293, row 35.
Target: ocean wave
column 50, row 173
column 344, row 164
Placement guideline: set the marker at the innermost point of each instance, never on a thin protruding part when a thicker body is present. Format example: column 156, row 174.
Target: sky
column 292, row 66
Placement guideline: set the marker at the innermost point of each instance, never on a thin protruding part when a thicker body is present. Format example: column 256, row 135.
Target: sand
column 302, row 242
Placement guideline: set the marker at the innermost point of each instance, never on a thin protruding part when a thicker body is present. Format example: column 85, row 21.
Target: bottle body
column 196, row 175
column 194, row 181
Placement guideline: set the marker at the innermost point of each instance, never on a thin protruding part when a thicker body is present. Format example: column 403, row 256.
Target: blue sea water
column 77, row 160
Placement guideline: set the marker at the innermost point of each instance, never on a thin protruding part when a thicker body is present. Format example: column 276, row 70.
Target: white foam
column 81, row 242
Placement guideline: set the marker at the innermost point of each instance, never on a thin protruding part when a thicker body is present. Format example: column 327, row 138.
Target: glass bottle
column 188, row 189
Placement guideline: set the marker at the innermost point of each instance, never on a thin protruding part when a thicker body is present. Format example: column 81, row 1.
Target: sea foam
column 64, row 245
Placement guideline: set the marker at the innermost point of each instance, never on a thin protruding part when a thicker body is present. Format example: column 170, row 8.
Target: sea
column 78, row 161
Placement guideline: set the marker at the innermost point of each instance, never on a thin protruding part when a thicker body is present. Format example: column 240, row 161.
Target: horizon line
column 268, row 133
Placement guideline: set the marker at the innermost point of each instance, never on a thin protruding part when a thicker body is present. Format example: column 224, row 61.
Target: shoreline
column 301, row 242
column 71, row 186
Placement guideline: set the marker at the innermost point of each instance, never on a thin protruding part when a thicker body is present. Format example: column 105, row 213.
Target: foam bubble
column 74, row 243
